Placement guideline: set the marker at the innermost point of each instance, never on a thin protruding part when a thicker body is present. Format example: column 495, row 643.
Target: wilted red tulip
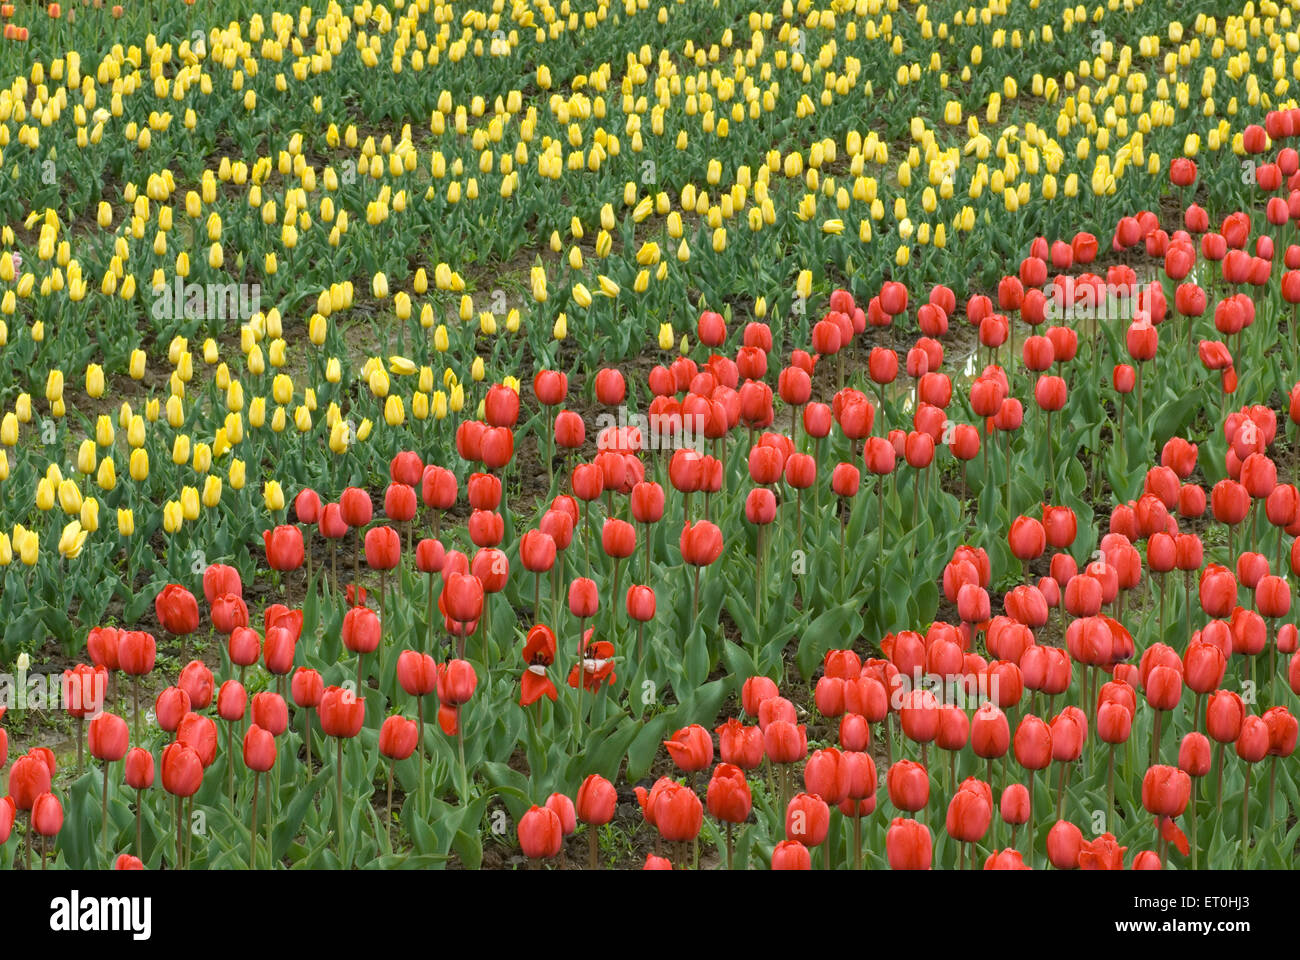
column 1102, row 853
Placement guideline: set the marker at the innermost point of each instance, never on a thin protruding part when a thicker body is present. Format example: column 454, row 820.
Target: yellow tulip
column 90, row 515
column 45, row 495
column 173, row 517
column 394, row 411
column 54, row 386
column 211, row 491
column 339, row 437
column 30, row 548
column 106, row 476
column 87, row 457
column 71, row 540
column 273, row 495
column 282, row 388
column 94, row 380
column 69, row 497
column 125, row 522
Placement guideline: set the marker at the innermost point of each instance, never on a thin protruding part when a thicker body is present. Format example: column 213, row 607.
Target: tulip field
column 649, row 434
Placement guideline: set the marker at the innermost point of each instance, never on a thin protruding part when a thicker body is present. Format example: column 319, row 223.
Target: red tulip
column 399, row 502
column 741, row 746
column 462, row 597
column 1194, row 754
column 610, row 387
column 807, row 819
column 284, row 547
column 29, row 777
column 456, row 682
column 108, row 737
column 437, row 488
column 361, row 630
column 355, row 507
column 383, row 548
column 47, row 815
column 232, row 701
column 406, row 468
column 785, row 742
column 182, row 770
column 170, row 707
column 332, row 525
column 398, row 737
column 270, row 712
column 307, row 688
column 909, row 785
column 597, row 801
column 1064, row 842
column 138, row 771
column 541, row 835
column 1165, row 791
column 219, row 579
column 728, row 794
column 1033, row 743
column 259, row 749
column 970, row 812
column 342, row 712
column 1224, row 715
column 177, row 610
column 691, row 748
column 701, row 543
column 908, row 845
